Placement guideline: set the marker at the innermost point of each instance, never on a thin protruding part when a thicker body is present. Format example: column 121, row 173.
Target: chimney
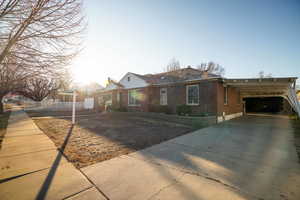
column 205, row 74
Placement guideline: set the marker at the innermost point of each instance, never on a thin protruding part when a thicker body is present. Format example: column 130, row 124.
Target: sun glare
column 82, row 75
column 85, row 70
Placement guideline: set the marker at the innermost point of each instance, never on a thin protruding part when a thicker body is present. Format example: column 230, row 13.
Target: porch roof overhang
column 262, row 87
column 268, row 87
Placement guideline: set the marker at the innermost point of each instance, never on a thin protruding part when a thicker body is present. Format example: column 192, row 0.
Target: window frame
column 187, row 95
column 135, row 101
column 225, row 95
column 160, row 96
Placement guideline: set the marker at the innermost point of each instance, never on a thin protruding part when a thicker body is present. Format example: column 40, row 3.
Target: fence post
column 74, row 105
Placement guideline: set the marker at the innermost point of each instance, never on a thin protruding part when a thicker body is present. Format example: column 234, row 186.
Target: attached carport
column 272, row 95
column 275, row 105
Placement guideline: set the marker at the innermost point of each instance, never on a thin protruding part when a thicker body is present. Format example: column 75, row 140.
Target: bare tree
column 37, row 37
column 262, row 74
column 212, row 67
column 11, row 79
column 173, row 65
column 65, row 82
column 39, row 88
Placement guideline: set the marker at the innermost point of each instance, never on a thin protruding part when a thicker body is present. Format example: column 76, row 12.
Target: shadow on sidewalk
column 47, row 183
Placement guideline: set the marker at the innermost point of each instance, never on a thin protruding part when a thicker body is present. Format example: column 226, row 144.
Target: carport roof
column 276, row 86
column 261, row 80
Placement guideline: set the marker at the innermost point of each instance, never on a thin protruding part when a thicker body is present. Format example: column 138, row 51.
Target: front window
column 225, row 95
column 192, row 93
column 163, row 96
column 134, row 97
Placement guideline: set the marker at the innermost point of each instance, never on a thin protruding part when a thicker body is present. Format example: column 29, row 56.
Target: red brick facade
column 234, row 101
column 211, row 98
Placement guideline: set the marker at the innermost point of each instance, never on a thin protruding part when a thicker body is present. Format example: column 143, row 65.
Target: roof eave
column 187, row 81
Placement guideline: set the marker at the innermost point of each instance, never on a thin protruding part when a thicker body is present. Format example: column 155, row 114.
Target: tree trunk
column 1, row 106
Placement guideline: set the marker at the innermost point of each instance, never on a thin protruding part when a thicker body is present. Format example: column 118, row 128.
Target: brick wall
column 177, row 96
column 211, row 98
column 234, row 104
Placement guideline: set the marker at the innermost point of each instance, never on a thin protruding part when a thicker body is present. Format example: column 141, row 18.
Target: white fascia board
column 134, row 82
column 110, row 86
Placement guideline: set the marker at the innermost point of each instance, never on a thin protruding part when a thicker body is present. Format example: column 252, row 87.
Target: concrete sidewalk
column 31, row 167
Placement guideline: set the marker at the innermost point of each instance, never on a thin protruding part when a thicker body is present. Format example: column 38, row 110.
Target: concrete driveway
column 247, row 158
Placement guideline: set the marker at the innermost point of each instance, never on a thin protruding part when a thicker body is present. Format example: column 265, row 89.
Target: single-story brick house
column 202, row 92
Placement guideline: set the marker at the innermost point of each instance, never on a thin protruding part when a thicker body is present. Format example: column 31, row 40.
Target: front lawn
column 100, row 137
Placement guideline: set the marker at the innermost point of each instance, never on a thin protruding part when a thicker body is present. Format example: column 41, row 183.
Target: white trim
column 134, row 105
column 135, row 81
column 187, row 96
column 166, row 96
column 229, row 117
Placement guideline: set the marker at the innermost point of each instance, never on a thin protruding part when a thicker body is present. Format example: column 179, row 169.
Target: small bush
column 294, row 116
column 122, row 109
column 202, row 114
column 160, row 109
column 119, row 109
column 183, row 110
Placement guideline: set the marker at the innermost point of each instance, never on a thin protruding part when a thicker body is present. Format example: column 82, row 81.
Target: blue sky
column 141, row 36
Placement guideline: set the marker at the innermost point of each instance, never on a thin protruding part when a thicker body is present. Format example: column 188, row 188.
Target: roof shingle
column 175, row 76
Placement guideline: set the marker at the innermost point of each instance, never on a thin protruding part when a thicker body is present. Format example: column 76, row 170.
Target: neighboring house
column 90, row 89
column 202, row 92
column 82, row 92
column 14, row 97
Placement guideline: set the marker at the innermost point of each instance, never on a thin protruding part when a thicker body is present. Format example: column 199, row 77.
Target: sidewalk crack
column 206, row 176
column 176, row 181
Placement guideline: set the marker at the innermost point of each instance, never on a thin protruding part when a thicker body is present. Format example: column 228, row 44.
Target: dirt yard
column 99, row 137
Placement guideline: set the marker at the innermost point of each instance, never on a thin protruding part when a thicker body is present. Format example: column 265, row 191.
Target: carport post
column 74, row 106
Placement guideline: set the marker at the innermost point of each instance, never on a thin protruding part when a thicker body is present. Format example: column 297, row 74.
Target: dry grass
column 101, row 137
column 3, row 124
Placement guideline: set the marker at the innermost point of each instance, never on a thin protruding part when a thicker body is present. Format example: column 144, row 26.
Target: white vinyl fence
column 88, row 103
column 50, row 105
